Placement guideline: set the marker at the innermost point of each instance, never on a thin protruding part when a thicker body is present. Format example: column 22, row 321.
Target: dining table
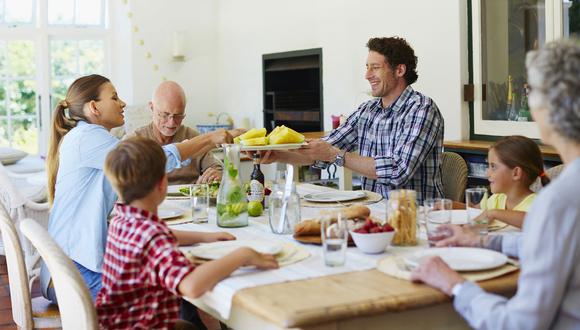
column 310, row 295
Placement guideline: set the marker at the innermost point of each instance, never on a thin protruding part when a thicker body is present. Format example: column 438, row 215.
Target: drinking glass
column 199, row 201
column 476, row 202
column 334, row 241
column 437, row 214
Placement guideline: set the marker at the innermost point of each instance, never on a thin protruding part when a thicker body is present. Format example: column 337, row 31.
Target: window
column 503, row 31
column 40, row 56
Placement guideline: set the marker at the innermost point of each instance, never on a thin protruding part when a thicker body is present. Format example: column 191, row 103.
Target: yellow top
column 498, row 201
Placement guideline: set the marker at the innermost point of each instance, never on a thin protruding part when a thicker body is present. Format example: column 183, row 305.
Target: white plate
column 169, row 213
column 461, row 258
column 218, row 250
column 286, row 146
column 335, row 196
column 459, row 217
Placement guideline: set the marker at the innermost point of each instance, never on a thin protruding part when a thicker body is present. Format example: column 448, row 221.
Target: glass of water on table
column 334, row 237
column 476, row 203
column 437, row 215
column 199, row 200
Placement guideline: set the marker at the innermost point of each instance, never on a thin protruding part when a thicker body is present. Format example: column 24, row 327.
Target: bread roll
column 356, row 211
column 307, row 228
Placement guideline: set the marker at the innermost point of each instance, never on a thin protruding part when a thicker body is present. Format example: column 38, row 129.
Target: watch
column 339, row 161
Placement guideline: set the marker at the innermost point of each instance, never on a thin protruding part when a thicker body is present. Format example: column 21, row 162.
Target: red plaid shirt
column 141, row 272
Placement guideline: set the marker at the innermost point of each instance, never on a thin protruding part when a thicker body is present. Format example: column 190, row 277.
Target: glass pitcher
column 402, row 215
column 283, row 210
column 232, row 207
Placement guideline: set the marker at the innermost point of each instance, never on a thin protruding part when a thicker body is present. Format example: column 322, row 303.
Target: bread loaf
column 312, row 227
column 356, row 211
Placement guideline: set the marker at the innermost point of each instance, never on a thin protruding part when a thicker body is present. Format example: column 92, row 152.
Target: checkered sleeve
column 168, row 263
column 346, row 135
column 422, row 126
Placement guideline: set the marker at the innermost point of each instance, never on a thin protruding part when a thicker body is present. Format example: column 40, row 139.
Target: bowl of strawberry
column 372, row 237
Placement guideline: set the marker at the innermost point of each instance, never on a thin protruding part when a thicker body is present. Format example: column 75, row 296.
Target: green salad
column 214, row 187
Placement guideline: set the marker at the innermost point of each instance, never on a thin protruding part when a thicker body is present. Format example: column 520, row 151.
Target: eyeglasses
column 167, row 116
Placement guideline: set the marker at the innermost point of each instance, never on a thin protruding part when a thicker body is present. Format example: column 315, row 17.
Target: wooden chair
column 454, row 173
column 27, row 313
column 19, row 207
column 552, row 173
column 74, row 300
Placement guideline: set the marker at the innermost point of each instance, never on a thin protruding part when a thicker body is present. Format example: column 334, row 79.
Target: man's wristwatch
column 320, row 165
column 339, row 161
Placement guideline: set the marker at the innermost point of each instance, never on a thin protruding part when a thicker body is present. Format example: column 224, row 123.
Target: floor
column 5, row 304
column 6, row 322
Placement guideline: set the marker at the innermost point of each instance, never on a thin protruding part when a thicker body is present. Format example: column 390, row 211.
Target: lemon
column 255, row 209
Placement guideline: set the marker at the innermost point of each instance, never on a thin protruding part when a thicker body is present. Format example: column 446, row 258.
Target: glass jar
column 281, row 202
column 402, row 215
column 232, row 207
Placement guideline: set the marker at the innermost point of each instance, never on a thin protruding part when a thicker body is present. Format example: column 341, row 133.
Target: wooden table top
column 348, row 295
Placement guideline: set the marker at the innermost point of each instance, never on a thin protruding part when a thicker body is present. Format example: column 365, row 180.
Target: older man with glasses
column 168, row 107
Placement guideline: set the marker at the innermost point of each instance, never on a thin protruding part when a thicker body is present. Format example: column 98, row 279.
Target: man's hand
column 210, row 175
column 268, row 157
column 218, row 236
column 319, row 150
column 434, row 272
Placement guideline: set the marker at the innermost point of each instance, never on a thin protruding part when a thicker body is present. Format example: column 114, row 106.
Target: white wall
column 226, row 40
column 157, row 21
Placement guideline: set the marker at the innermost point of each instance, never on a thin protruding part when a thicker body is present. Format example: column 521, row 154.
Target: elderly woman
column 548, row 294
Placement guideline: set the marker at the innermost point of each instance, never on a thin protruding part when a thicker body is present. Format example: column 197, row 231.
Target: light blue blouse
column 548, row 295
column 84, row 197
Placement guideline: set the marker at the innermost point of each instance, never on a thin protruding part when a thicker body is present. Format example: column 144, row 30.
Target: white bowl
column 372, row 243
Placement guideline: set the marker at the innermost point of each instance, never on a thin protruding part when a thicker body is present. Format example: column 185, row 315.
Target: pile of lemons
column 279, row 135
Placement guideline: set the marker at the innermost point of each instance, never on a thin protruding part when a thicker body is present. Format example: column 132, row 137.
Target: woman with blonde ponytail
column 81, row 195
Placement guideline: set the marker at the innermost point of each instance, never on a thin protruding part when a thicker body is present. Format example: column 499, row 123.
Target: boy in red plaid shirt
column 144, row 272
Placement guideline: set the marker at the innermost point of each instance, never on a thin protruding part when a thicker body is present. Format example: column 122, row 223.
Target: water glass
column 199, row 201
column 437, row 214
column 476, row 202
column 334, row 241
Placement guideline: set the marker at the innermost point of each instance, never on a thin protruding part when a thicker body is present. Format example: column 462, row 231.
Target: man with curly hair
column 394, row 140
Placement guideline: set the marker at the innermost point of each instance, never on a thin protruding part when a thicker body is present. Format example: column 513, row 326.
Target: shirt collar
column 131, row 212
column 400, row 102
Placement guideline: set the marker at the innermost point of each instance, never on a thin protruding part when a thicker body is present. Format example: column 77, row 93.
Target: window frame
column 41, row 34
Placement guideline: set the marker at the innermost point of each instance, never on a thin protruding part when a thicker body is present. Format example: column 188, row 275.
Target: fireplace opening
column 292, row 90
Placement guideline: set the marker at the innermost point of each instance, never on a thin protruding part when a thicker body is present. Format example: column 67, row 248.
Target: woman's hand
column 218, row 236
column 237, row 132
column 260, row 260
column 210, row 175
column 434, row 272
column 461, row 236
column 220, row 136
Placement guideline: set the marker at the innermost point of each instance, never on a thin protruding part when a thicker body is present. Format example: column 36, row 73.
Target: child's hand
column 260, row 260
column 219, row 236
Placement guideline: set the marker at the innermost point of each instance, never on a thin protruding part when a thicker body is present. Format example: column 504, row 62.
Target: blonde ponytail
column 66, row 115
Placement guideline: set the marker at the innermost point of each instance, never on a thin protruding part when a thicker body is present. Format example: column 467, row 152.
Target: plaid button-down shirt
column 405, row 139
column 142, row 270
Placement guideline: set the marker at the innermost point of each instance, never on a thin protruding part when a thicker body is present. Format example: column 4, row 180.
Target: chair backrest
column 74, row 300
column 552, row 173
column 454, row 173
column 18, row 277
column 19, row 207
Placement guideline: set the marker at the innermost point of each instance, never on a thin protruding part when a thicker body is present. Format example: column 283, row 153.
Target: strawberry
column 375, row 230
column 388, row 228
